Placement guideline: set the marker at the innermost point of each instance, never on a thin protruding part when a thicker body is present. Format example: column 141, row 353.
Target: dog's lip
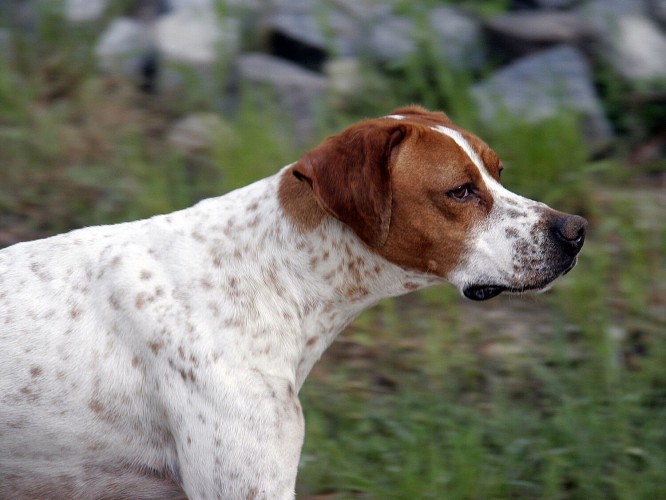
column 486, row 292
column 573, row 264
column 483, row 292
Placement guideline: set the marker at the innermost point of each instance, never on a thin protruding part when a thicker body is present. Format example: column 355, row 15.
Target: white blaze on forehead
column 395, row 117
column 469, row 150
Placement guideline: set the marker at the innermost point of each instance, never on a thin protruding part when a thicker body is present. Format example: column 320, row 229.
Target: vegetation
column 562, row 395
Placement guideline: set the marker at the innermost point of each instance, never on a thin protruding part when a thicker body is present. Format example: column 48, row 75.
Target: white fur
column 173, row 346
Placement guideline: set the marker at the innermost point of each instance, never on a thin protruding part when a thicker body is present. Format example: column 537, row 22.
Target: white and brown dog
column 163, row 357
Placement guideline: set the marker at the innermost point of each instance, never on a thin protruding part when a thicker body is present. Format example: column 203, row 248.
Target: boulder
column 194, row 36
column 123, row 47
column 542, row 85
column 311, row 33
column 458, row 38
column 84, row 10
column 638, row 49
column 392, row 39
column 658, row 11
column 630, row 41
column 297, row 37
column 524, row 32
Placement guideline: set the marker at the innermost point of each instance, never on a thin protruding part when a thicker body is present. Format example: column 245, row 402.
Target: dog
column 163, row 358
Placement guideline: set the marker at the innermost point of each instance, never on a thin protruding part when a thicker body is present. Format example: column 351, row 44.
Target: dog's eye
column 461, row 193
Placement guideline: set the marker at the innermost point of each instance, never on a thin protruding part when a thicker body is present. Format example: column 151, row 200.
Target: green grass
column 560, row 396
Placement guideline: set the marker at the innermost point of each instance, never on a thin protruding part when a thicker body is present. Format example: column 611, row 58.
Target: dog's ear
column 350, row 177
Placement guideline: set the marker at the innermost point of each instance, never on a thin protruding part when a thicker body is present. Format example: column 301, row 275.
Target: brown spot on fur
column 114, row 302
column 516, row 214
column 96, row 406
column 155, row 346
column 140, row 300
column 187, row 375
column 145, row 275
column 35, row 371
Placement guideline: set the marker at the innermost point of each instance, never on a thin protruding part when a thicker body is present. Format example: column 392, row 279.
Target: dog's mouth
column 488, row 291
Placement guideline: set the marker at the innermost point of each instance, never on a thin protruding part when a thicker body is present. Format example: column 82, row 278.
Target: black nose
column 570, row 233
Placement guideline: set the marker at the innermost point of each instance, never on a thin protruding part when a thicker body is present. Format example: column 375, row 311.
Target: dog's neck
column 299, row 268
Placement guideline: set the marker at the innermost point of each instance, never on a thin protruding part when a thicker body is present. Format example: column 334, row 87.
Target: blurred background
column 117, row 110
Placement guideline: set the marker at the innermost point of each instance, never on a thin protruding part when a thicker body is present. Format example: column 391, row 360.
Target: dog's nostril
column 570, row 230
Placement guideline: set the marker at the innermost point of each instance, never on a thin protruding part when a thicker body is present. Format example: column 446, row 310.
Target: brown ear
column 350, row 177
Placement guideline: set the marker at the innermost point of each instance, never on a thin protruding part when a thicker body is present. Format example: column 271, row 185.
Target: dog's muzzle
column 567, row 238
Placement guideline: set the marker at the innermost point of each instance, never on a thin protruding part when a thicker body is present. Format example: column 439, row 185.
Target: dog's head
column 426, row 195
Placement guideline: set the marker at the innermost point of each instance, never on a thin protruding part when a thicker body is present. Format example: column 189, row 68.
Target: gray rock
column 194, row 36
column 310, row 38
column 123, row 45
column 458, row 38
column 310, row 32
column 84, row 10
column 638, row 49
column 392, row 39
column 211, row 4
column 631, row 42
column 20, row 15
column 300, row 91
column 364, row 10
column 148, row 10
column 538, row 87
column 604, row 12
column 191, row 4
column 658, row 11
column 524, row 32
column 291, row 5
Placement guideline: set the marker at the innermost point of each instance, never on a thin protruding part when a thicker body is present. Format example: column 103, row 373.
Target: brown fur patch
column 298, row 203
column 349, row 176
column 406, row 217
